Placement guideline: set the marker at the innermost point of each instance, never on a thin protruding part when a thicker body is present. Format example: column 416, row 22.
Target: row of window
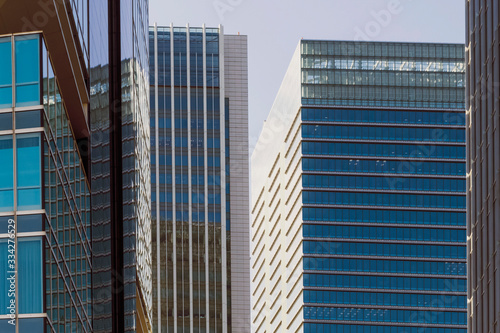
column 313, row 74
column 384, row 315
column 384, row 282
column 406, row 234
column 384, row 199
column 24, row 119
column 28, row 172
column 197, row 216
column 384, row 183
column 384, row 249
column 183, row 197
column 26, row 80
column 24, row 223
column 342, row 328
column 384, row 116
column 384, row 133
column 384, row 51
column 182, row 160
column 385, row 266
column 183, row 142
column 32, row 325
column 382, row 150
column 383, row 166
column 406, row 103
column 196, row 123
column 383, row 216
column 386, row 95
column 180, row 100
column 183, row 179
column 384, row 299
column 29, row 275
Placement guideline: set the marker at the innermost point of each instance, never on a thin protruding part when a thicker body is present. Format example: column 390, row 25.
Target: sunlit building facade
column 200, row 185
column 358, row 185
column 483, row 153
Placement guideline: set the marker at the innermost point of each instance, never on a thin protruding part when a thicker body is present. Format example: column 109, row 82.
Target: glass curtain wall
column 44, row 206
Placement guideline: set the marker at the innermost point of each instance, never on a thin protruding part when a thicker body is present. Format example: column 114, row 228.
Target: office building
column 358, row 186
column 119, row 150
column 200, row 180
column 71, row 73
column 483, row 153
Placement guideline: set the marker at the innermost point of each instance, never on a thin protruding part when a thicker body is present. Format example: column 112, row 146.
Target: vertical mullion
column 205, row 169
column 174, row 210
column 157, row 171
column 190, row 188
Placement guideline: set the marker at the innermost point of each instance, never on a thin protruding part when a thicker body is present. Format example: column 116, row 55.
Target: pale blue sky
column 275, row 27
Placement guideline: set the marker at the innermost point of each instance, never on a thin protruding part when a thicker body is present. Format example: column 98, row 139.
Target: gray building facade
column 483, row 165
column 200, row 180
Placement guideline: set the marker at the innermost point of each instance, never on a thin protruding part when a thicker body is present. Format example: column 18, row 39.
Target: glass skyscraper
column 45, row 226
column 75, row 194
column 358, row 217
column 483, row 153
column 199, row 174
column 120, row 177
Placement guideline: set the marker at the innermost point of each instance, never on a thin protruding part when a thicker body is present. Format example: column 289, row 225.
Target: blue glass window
column 385, row 282
column 30, row 282
column 29, row 223
column 384, row 249
column 5, row 121
column 385, row 315
column 5, row 72
column 395, row 233
column 4, row 223
column 27, row 70
column 32, row 325
column 29, row 172
column 27, row 119
column 6, row 174
column 383, row 166
column 385, row 266
column 4, row 282
column 6, row 326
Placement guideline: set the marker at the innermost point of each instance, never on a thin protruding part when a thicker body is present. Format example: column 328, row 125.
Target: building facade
column 200, row 184
column 358, row 185
column 119, row 151
column 483, row 153
column 45, row 240
column 75, row 105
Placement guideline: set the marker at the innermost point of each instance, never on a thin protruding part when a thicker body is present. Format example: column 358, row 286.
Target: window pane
column 32, row 325
column 5, row 73
column 4, row 224
column 27, row 70
column 5, row 121
column 30, row 291
column 4, row 284
column 29, row 171
column 6, row 174
column 6, row 327
column 29, row 223
column 28, row 119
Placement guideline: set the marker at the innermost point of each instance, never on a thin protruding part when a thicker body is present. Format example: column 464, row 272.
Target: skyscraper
column 358, row 185
column 45, row 246
column 200, row 183
column 119, row 150
column 483, row 153
column 75, row 106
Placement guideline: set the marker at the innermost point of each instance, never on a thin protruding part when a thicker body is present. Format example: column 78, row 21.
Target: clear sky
column 274, row 29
